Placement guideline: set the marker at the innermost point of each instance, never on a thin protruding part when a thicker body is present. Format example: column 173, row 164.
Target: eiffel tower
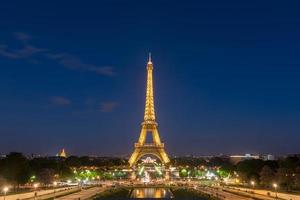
column 149, row 125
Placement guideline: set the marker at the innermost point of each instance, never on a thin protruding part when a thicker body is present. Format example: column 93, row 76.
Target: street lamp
column 5, row 190
column 275, row 186
column 54, row 185
column 36, row 185
column 253, row 184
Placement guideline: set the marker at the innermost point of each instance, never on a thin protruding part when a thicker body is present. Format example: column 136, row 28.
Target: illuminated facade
column 62, row 154
column 149, row 125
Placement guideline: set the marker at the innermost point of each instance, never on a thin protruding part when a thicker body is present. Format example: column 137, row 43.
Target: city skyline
column 226, row 76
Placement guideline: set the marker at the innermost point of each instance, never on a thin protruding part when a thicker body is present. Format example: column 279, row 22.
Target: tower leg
column 132, row 160
column 164, row 156
column 143, row 135
column 155, row 136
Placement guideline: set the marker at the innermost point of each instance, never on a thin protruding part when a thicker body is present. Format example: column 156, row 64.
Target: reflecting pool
column 151, row 193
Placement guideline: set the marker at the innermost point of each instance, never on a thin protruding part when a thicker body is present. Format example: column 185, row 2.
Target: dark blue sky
column 226, row 75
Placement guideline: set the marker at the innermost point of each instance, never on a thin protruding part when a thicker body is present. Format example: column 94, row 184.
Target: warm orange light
column 5, row 189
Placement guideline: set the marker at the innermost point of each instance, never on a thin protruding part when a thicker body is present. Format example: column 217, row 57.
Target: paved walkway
column 250, row 194
column 83, row 194
column 40, row 193
column 272, row 193
column 222, row 194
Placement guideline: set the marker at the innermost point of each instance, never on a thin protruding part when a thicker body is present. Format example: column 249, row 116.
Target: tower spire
column 149, row 107
column 149, row 58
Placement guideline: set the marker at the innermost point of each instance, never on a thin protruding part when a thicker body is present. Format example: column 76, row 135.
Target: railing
column 161, row 145
column 149, row 123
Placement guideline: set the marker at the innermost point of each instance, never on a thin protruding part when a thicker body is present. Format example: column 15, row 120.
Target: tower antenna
column 149, row 59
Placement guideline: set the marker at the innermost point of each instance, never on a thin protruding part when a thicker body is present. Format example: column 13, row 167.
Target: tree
column 64, row 170
column 16, row 168
column 249, row 168
column 267, row 176
column 46, row 176
column 73, row 161
column 284, row 177
column 297, row 178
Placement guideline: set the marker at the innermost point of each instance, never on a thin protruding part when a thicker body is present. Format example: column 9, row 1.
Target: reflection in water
column 151, row 193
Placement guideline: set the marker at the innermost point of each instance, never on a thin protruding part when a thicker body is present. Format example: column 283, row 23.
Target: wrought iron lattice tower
column 149, row 126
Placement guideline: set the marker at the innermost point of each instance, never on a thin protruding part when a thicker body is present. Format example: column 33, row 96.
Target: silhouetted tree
column 297, row 178
column 46, row 176
column 267, row 176
column 15, row 168
column 284, row 177
column 249, row 168
column 73, row 161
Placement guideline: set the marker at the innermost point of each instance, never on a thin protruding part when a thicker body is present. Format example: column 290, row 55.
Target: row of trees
column 285, row 172
column 16, row 169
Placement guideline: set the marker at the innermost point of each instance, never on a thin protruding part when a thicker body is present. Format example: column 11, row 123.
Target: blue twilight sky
column 226, row 75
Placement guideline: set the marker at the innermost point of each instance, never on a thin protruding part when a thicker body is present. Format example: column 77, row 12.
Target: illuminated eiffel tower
column 149, row 125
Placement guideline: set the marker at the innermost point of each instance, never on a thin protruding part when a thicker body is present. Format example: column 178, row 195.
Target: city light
column 36, row 185
column 5, row 190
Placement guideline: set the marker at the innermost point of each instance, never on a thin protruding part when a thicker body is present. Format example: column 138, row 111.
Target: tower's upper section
column 149, row 116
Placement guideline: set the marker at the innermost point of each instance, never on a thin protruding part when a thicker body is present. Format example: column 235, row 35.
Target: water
column 151, row 193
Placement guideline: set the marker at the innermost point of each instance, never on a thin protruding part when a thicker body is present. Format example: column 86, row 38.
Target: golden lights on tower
column 149, row 125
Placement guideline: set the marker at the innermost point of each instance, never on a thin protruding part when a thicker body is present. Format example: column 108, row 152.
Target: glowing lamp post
column 35, row 186
column 253, row 184
column 54, row 185
column 275, row 187
column 5, row 190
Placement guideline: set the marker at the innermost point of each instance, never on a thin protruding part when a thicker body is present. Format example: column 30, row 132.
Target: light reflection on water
column 151, row 193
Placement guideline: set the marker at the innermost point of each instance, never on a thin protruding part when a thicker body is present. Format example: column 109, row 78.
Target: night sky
column 226, row 75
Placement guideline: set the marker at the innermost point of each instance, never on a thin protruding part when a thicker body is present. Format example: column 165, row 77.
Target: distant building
column 268, row 157
column 238, row 158
column 62, row 154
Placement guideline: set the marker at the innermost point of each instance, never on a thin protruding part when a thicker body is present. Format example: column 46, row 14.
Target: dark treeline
column 16, row 169
column 284, row 171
